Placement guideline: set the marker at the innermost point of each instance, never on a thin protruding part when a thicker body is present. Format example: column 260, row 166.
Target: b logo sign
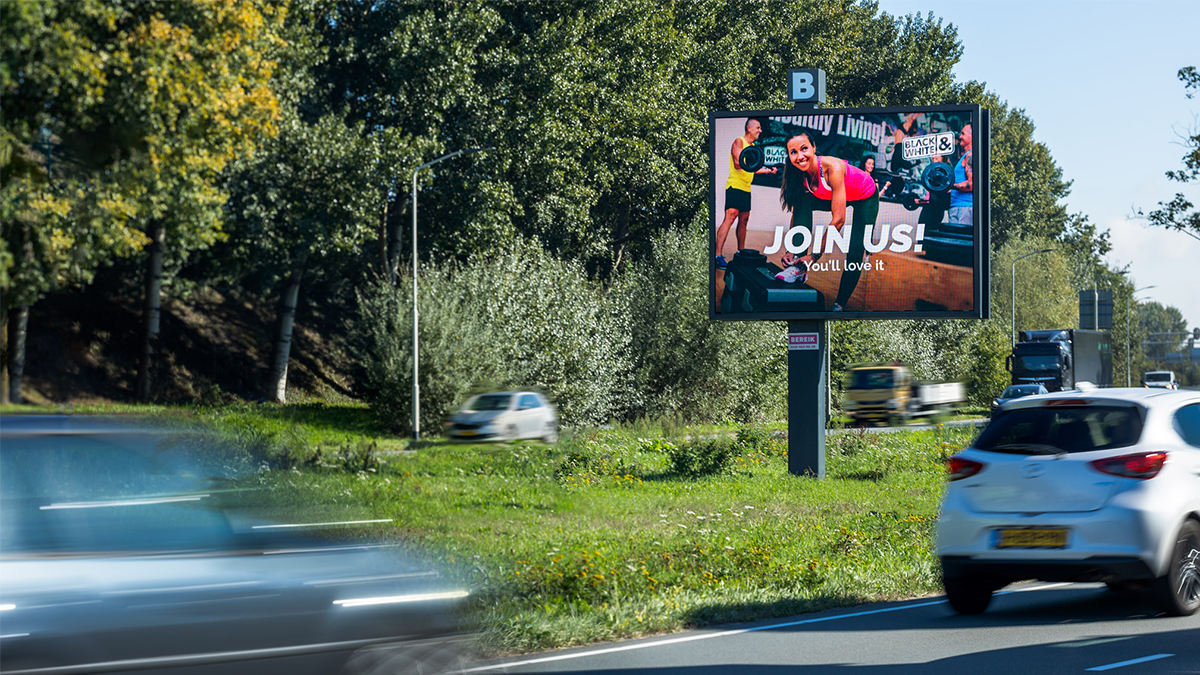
column 806, row 85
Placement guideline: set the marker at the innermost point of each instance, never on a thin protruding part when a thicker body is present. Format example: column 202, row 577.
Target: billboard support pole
column 808, row 387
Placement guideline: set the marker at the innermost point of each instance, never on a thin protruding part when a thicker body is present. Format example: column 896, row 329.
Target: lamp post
column 1013, row 279
column 416, row 388
column 1128, row 381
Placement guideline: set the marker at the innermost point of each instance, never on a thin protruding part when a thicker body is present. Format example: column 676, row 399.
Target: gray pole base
column 806, row 402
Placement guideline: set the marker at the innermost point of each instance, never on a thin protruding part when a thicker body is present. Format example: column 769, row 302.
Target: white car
column 1096, row 486
column 504, row 416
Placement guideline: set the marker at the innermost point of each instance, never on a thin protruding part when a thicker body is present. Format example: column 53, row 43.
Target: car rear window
column 1058, row 429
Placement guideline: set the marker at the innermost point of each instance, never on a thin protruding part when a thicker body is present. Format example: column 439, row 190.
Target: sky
column 1098, row 79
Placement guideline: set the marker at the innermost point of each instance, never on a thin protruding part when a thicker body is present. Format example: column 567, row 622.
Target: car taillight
column 1143, row 465
column 959, row 468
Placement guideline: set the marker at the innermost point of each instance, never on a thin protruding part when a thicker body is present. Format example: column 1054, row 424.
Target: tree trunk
column 277, row 385
column 152, row 309
column 3, row 355
column 394, row 251
column 18, row 323
column 383, row 239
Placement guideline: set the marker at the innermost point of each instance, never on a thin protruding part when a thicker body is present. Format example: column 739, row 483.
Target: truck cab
column 1046, row 363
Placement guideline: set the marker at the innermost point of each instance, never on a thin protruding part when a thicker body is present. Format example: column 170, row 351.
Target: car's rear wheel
column 968, row 595
column 510, row 433
column 1179, row 589
column 551, row 435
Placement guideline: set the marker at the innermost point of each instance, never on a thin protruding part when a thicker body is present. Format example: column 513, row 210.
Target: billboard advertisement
column 877, row 213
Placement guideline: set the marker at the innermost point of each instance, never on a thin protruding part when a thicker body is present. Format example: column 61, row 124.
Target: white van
column 1160, row 378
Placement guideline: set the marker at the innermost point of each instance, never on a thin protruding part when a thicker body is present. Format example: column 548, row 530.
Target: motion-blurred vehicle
column 1102, row 486
column 889, row 393
column 504, row 416
column 1015, row 391
column 1163, row 379
column 116, row 556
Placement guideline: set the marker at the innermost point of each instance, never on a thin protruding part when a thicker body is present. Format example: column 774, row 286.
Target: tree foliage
column 119, row 113
column 1180, row 213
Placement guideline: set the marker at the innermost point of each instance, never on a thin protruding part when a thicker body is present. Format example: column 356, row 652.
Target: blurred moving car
column 1097, row 486
column 504, row 416
column 115, row 558
column 1015, row 391
column 1163, row 379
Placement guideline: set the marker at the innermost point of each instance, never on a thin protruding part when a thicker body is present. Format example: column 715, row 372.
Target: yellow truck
column 889, row 393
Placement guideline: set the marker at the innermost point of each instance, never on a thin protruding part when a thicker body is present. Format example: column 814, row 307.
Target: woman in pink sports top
column 812, row 182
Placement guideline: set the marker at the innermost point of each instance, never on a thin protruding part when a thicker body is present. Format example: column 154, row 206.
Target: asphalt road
column 1029, row 629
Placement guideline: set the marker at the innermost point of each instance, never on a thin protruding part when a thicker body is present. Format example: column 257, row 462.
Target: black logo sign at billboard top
column 849, row 214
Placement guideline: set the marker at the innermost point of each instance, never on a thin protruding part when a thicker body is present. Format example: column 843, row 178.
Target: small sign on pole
column 804, row 341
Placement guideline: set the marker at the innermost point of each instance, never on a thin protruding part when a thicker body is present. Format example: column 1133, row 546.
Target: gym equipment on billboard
column 938, row 176
column 751, row 286
column 949, row 243
column 751, row 158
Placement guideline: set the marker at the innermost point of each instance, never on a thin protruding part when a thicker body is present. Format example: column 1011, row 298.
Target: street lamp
column 416, row 388
column 1014, row 290
column 1128, row 381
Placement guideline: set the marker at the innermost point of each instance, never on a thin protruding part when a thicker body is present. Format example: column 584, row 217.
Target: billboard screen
column 877, row 213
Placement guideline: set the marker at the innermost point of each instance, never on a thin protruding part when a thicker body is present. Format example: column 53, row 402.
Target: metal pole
column 416, row 387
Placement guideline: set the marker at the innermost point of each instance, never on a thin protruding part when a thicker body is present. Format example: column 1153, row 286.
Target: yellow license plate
column 1031, row 538
column 467, row 432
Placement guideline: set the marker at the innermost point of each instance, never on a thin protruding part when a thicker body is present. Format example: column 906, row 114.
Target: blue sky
column 1117, row 60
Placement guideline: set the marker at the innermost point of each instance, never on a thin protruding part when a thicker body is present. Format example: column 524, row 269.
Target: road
column 1031, row 628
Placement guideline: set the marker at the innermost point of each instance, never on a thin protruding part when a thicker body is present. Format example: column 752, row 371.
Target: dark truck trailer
column 1061, row 358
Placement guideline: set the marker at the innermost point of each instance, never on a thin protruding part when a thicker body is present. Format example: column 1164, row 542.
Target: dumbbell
column 751, row 158
column 937, row 177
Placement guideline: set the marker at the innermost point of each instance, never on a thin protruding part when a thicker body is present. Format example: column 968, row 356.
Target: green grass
column 601, row 537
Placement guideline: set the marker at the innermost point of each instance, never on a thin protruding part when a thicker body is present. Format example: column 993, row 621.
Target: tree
column 312, row 193
column 1180, row 213
column 1164, row 326
column 143, row 102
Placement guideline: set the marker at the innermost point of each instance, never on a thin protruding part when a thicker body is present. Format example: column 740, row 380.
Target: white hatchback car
column 504, row 416
column 1096, row 486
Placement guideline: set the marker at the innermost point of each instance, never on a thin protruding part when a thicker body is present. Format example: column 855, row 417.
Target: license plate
column 1031, row 538
column 467, row 432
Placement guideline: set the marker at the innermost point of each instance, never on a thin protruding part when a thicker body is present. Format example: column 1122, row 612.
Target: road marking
column 1131, row 662
column 1091, row 643
column 739, row 631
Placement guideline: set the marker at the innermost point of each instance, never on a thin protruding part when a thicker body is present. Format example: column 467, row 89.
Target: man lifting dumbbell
column 737, row 190
column 962, row 202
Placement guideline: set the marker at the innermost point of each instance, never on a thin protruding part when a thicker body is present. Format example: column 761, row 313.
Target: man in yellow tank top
column 737, row 191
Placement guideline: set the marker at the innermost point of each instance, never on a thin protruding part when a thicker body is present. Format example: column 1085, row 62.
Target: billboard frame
column 981, row 226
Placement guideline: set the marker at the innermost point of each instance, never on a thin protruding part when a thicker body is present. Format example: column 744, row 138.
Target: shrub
column 686, row 364
column 702, row 457
column 519, row 320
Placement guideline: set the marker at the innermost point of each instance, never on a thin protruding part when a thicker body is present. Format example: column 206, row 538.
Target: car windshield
column 1019, row 390
column 871, row 379
column 488, row 402
column 1037, row 362
column 1061, row 429
column 1158, row 377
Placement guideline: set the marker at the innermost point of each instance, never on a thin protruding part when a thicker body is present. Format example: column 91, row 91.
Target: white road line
column 1131, row 662
column 739, row 631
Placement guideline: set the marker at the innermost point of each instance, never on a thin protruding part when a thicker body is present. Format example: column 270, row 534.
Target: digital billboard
column 877, row 213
